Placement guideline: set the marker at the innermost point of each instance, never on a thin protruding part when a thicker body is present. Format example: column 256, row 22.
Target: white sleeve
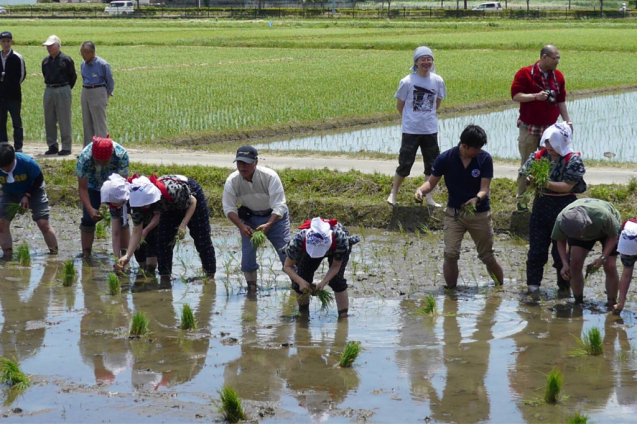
column 403, row 90
column 229, row 198
column 277, row 196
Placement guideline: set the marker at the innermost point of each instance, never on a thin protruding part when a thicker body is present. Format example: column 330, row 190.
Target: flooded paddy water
column 605, row 128
column 484, row 357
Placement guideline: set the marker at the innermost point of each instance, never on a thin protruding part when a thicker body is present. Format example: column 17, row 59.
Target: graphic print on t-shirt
column 423, row 99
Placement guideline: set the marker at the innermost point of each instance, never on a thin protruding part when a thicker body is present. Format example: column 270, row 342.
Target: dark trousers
column 199, row 227
column 307, row 266
column 545, row 212
column 12, row 107
column 148, row 249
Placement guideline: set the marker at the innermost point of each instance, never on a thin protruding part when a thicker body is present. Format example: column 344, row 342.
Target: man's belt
column 89, row 87
column 56, row 85
column 262, row 213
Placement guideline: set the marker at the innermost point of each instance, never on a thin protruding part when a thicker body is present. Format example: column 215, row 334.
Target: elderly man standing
column 95, row 164
column 97, row 87
column 260, row 193
column 12, row 76
column 59, row 76
column 540, row 90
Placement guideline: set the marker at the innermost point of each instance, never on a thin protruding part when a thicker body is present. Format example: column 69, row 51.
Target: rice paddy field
column 219, row 80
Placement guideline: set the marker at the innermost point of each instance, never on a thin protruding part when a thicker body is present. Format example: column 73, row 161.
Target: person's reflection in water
column 465, row 397
column 102, row 329
column 255, row 374
column 162, row 359
column 313, row 374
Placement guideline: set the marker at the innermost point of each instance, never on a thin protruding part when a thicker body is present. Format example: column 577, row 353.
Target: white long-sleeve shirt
column 264, row 192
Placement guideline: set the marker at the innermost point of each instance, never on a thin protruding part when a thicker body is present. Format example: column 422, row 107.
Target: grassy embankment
column 185, row 83
column 353, row 198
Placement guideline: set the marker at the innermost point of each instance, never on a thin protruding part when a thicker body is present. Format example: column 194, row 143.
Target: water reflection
column 605, row 129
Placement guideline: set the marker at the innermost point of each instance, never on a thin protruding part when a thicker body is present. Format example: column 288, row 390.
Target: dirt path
column 594, row 175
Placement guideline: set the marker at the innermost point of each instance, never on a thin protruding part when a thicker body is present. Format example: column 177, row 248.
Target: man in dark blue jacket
column 12, row 74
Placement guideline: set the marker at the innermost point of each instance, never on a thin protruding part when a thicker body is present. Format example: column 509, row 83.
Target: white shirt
column 420, row 95
column 264, row 192
column 4, row 59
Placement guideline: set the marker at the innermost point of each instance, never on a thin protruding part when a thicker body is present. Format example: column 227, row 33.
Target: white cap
column 318, row 239
column 53, row 39
column 115, row 189
column 560, row 136
column 143, row 193
column 628, row 239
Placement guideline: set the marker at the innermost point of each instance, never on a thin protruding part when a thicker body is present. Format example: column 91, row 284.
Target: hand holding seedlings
column 258, row 239
column 181, row 232
column 24, row 203
column 566, row 272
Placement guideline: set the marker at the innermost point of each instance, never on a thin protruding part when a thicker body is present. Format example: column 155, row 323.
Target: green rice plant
column 68, row 273
column 114, row 287
column 106, row 217
column 469, row 209
column 591, row 344
column 349, row 355
column 100, row 231
column 11, row 374
column 577, row 419
column 24, row 257
column 540, row 171
column 138, row 325
column 591, row 269
column 553, row 386
column 14, row 209
column 247, row 316
column 188, row 321
column 424, row 229
column 325, row 297
column 230, row 405
column 258, row 240
column 430, row 308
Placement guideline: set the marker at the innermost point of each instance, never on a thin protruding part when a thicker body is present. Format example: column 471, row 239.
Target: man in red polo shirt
column 541, row 92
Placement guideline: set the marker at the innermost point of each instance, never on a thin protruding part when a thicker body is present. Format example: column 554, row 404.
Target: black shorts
column 588, row 244
column 307, row 266
column 429, row 148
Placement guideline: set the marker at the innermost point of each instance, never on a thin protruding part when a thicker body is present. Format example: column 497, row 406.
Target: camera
column 550, row 96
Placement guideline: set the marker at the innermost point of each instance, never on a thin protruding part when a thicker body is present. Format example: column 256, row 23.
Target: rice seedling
column 230, row 405
column 577, row 419
column 469, row 209
column 11, row 374
column 100, row 230
column 349, row 355
column 325, row 297
column 429, row 308
column 24, row 257
column 14, row 209
column 590, row 344
column 114, row 287
column 138, row 325
column 258, row 240
column 247, row 316
column 553, row 386
column 68, row 273
column 188, row 321
column 540, row 171
column 591, row 269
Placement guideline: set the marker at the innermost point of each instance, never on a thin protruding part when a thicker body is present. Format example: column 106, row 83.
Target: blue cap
column 6, row 34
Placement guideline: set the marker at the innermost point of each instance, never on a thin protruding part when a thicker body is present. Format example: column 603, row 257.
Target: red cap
column 102, row 148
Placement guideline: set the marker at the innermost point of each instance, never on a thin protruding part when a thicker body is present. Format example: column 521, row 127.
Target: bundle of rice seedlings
column 188, row 321
column 258, row 239
column 577, row 419
column 540, row 170
column 591, row 344
column 230, row 405
column 100, row 231
column 68, row 273
column 11, row 374
column 24, row 257
column 325, row 298
column 114, row 286
column 349, row 355
column 591, row 269
column 469, row 209
column 14, row 209
column 553, row 386
column 429, row 307
column 138, row 325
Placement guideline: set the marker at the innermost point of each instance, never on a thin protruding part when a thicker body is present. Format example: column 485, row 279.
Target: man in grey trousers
column 59, row 76
column 97, row 87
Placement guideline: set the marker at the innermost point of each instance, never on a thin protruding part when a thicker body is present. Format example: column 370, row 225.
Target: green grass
column 553, row 386
column 138, row 325
column 68, row 273
column 429, row 307
column 577, row 419
column 590, row 344
column 188, row 321
column 230, row 405
column 349, row 355
column 11, row 374
column 114, row 286
column 24, row 257
column 258, row 239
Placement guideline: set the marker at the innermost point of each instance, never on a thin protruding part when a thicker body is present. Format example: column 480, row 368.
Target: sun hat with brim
column 115, row 189
column 318, row 239
column 53, row 39
column 574, row 222
column 143, row 193
column 560, row 136
column 628, row 239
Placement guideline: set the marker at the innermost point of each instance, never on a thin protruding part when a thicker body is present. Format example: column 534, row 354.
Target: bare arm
column 485, row 183
column 288, row 268
column 135, row 239
column 564, row 114
column 246, row 231
column 266, row 227
column 82, row 188
column 116, row 231
column 438, row 103
column 566, row 269
column 560, row 187
column 189, row 213
column 624, row 285
column 530, row 97
column 426, row 188
column 400, row 105
column 151, row 225
column 331, row 273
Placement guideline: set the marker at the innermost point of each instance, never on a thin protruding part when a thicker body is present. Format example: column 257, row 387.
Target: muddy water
column 605, row 129
column 482, row 358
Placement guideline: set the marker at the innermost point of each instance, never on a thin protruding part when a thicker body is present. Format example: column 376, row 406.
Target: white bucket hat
column 143, row 193
column 318, row 239
column 560, row 136
column 628, row 239
column 115, row 189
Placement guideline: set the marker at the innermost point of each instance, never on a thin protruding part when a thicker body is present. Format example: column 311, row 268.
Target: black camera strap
column 545, row 80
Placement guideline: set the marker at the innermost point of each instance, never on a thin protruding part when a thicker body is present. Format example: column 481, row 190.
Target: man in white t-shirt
column 418, row 99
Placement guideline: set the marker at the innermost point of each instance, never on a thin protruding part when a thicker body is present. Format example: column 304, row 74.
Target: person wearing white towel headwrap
column 627, row 248
column 418, row 100
column 566, row 179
